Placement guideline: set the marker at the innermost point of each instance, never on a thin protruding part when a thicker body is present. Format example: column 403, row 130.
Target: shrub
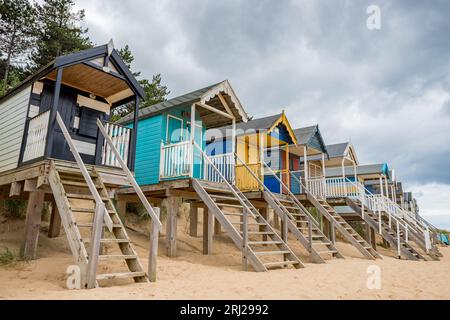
column 6, row 257
column 13, row 208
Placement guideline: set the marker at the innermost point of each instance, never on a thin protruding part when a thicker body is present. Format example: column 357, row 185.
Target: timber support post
column 208, row 221
column 153, row 253
column 55, row 222
column 32, row 224
column 193, row 219
column 171, row 228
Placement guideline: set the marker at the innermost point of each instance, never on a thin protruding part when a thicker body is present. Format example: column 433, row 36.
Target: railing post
column 310, row 239
column 97, row 230
column 398, row 241
column 245, row 239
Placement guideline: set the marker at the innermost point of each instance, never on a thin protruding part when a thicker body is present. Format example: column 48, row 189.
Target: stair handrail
column 151, row 212
column 205, row 156
column 293, row 197
column 262, row 184
column 100, row 214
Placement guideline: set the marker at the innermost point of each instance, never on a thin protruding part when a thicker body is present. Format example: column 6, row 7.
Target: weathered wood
column 32, row 224
column 130, row 176
column 182, row 194
column 55, row 222
column 193, row 219
column 135, row 198
column 208, row 220
column 121, row 207
column 15, row 189
column 263, row 212
column 153, row 253
column 373, row 238
column 171, row 227
column 30, row 185
column 217, row 229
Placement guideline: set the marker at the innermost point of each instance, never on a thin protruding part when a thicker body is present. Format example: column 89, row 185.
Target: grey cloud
column 316, row 59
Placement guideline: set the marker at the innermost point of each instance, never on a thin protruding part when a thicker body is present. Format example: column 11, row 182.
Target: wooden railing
column 120, row 137
column 317, row 187
column 224, row 163
column 176, row 160
column 245, row 180
column 36, row 136
column 339, row 187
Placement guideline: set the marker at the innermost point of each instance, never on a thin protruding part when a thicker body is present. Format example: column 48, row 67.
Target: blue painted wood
column 148, row 150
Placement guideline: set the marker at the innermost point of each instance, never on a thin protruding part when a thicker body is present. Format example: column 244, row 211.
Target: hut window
column 88, row 122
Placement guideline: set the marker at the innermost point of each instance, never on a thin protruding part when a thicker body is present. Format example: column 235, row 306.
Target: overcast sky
column 387, row 90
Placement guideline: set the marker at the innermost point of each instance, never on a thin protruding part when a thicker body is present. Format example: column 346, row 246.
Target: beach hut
column 310, row 152
column 259, row 140
column 58, row 146
column 168, row 149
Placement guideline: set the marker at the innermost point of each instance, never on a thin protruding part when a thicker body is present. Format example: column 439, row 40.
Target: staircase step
column 117, row 257
column 87, row 210
column 279, row 264
column 214, row 196
column 229, row 205
column 90, row 224
column 268, row 253
column 122, row 275
column 83, row 196
column 264, row 242
column 327, row 251
column 259, row 232
column 227, row 213
column 77, row 184
column 109, row 241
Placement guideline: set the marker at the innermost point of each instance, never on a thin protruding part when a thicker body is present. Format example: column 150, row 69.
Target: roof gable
column 204, row 95
column 311, row 137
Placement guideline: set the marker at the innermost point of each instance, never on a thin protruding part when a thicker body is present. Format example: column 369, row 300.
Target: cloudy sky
column 387, row 90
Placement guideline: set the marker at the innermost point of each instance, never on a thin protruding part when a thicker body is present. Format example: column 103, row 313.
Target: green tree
column 17, row 18
column 58, row 31
column 156, row 92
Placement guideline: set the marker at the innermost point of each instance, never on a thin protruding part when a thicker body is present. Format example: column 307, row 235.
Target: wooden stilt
column 32, row 224
column 171, row 231
column 373, row 238
column 121, row 207
column 263, row 212
column 217, row 229
column 193, row 220
column 327, row 228
column 208, row 221
column 55, row 222
column 332, row 233
column 153, row 253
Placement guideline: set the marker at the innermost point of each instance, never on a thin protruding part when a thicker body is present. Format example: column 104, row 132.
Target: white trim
column 167, row 127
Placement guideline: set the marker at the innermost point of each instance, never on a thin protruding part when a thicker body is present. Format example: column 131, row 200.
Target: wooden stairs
column 407, row 251
column 117, row 259
column 261, row 246
column 343, row 227
column 302, row 225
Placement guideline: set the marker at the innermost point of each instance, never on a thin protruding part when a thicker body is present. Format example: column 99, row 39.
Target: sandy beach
column 192, row 275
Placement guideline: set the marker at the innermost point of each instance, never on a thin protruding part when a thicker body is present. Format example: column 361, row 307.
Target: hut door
column 198, row 159
column 66, row 109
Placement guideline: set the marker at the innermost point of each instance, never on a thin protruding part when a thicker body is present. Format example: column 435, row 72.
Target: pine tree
column 58, row 31
column 16, row 20
column 155, row 91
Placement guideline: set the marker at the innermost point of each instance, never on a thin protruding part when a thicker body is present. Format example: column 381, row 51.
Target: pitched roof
column 361, row 170
column 337, row 150
column 253, row 125
column 82, row 57
column 306, row 135
column 190, row 98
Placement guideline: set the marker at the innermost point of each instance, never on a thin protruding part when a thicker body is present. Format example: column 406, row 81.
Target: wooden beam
column 208, row 220
column 171, row 227
column 135, row 198
column 182, row 194
column 193, row 219
column 208, row 107
column 225, row 105
column 55, row 222
column 30, row 185
column 15, row 189
column 153, row 253
column 32, row 224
